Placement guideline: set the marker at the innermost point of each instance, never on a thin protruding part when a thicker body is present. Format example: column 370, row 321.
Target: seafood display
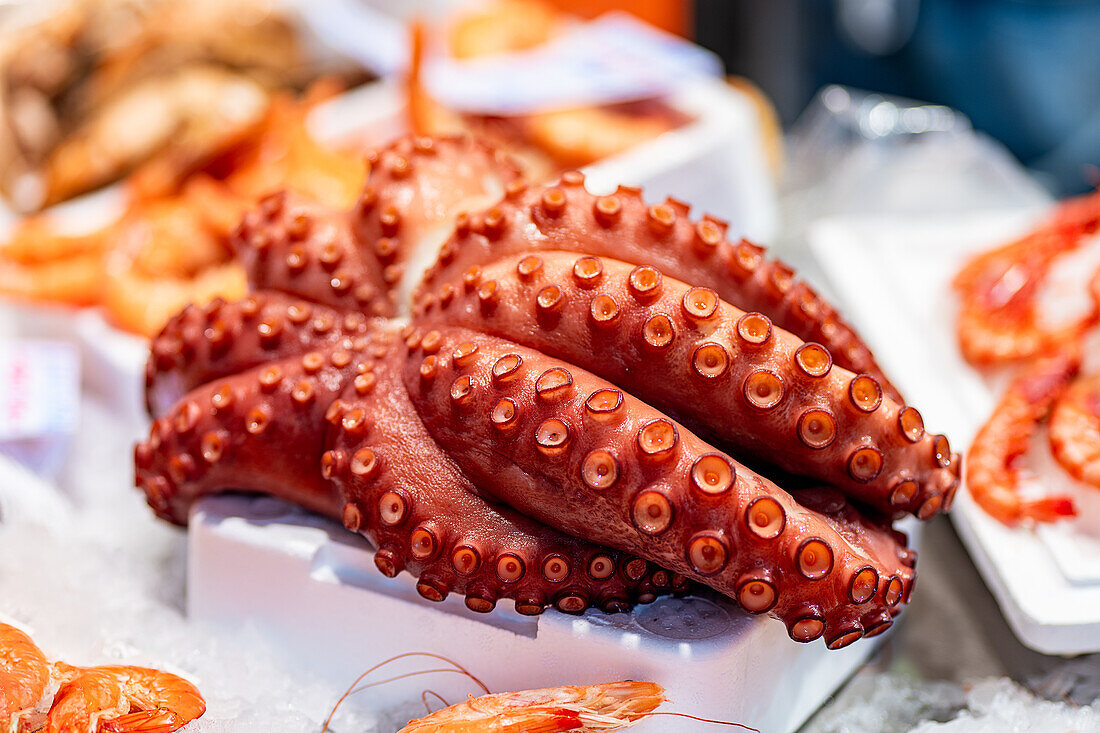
column 545, row 142
column 594, row 400
column 1002, row 324
column 100, row 87
column 111, row 699
column 171, row 246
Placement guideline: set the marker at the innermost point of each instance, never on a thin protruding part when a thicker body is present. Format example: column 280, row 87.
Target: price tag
column 39, row 401
column 615, row 58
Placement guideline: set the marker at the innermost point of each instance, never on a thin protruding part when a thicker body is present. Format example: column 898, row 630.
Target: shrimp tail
column 143, row 721
column 1050, row 508
column 553, row 722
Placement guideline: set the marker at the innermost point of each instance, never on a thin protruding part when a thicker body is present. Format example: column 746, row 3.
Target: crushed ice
column 96, row 579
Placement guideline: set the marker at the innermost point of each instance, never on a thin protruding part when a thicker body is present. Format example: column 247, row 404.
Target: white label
column 39, row 389
column 615, row 58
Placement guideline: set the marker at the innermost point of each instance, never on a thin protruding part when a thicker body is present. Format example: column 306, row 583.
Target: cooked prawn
column 999, row 320
column 24, row 675
column 992, row 477
column 122, row 699
column 605, row 707
column 1075, row 429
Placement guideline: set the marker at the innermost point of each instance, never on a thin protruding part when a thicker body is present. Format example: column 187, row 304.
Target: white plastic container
column 312, row 584
column 894, row 274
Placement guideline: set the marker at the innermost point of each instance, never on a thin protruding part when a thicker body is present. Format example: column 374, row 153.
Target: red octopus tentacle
column 202, row 343
column 416, row 186
column 408, row 497
column 254, row 431
column 575, row 452
column 303, row 248
column 621, row 225
column 683, row 349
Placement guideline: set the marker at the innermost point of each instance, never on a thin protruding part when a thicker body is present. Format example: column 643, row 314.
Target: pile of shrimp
column 171, row 245
column 106, row 699
column 1001, row 326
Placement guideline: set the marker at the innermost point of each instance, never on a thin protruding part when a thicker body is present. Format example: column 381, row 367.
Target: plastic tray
column 894, row 274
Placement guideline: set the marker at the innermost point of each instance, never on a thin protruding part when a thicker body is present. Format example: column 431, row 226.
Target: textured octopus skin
column 683, row 349
column 621, row 225
column 304, row 249
column 351, row 447
column 603, row 321
column 575, row 452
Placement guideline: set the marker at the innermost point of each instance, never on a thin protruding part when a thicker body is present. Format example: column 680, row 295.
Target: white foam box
column 313, row 585
column 894, row 275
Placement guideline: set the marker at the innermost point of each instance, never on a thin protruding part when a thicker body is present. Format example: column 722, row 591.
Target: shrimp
column 165, row 256
column 121, row 699
column 998, row 319
column 605, row 707
column 1075, row 430
column 992, row 477
column 24, row 675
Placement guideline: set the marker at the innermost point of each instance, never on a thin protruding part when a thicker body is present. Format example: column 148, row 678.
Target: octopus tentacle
column 573, row 451
column 621, row 225
column 400, row 488
column 202, row 343
column 304, row 248
column 416, row 186
column 219, row 437
column 376, row 469
column 683, row 349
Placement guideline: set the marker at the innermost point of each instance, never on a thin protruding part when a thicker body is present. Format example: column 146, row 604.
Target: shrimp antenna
column 352, row 688
column 704, row 720
column 436, row 695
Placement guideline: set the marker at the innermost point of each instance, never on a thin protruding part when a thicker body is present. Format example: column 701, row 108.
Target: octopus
column 564, row 409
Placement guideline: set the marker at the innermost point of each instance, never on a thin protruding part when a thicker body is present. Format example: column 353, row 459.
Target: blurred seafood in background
column 92, row 89
column 1031, row 306
column 546, row 142
column 171, row 246
column 992, row 473
column 1001, row 320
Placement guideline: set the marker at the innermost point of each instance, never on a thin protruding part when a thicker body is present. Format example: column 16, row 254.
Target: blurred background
column 1024, row 71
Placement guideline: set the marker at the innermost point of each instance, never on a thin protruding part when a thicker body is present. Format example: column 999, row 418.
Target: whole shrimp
column 606, row 707
column 122, row 699
column 1075, row 430
column 992, row 477
column 998, row 318
column 24, row 675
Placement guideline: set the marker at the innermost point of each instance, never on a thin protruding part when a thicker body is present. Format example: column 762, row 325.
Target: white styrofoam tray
column 894, row 276
column 312, row 584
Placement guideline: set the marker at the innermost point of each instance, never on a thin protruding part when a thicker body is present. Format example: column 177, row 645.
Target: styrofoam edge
column 1032, row 623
